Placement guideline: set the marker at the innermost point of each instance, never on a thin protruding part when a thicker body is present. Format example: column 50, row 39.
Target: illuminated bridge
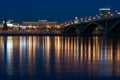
column 103, row 26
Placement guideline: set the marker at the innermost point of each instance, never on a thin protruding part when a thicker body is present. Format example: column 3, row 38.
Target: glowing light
column 98, row 17
column 104, row 9
column 111, row 14
column 118, row 13
column 30, row 26
column 101, row 14
column 94, row 18
column 10, row 25
column 24, row 27
column 57, row 26
column 48, row 26
column 105, row 15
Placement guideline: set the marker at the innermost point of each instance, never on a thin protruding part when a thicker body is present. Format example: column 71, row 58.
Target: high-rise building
column 105, row 12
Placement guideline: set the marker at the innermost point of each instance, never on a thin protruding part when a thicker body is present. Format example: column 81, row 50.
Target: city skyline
column 54, row 10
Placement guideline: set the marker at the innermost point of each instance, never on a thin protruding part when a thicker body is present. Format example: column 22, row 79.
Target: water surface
column 59, row 58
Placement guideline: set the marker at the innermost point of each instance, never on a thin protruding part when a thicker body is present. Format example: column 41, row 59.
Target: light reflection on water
column 53, row 55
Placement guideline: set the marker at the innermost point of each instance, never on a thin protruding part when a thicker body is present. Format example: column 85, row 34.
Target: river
column 59, row 58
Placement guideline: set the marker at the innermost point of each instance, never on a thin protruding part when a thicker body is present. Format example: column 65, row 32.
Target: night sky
column 52, row 10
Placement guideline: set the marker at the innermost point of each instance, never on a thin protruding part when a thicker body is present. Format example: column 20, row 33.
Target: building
column 105, row 12
column 11, row 24
column 39, row 24
column 76, row 21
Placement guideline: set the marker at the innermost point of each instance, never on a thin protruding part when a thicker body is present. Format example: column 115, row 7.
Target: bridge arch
column 115, row 28
column 73, row 30
column 93, row 28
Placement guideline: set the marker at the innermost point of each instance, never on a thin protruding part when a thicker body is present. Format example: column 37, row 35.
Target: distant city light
column 104, row 9
column 10, row 25
column 111, row 14
column 24, row 27
column 118, row 13
column 42, row 24
column 94, row 18
column 42, row 20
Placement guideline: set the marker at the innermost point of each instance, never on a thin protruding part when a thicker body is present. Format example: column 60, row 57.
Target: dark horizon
column 60, row 11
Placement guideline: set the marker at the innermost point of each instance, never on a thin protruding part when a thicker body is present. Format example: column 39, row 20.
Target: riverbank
column 33, row 33
column 38, row 33
column 24, row 33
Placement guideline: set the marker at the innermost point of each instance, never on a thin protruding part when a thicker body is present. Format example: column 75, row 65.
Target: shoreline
column 33, row 33
column 38, row 33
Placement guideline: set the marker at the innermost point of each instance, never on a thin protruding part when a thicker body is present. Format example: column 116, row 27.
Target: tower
column 76, row 21
column 5, row 27
column 105, row 12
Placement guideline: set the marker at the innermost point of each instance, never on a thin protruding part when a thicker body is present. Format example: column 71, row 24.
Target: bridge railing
column 90, row 19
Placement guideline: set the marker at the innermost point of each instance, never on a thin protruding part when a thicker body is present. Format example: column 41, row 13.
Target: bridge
column 102, row 26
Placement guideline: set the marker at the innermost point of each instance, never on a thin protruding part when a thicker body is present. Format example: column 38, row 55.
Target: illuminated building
column 1, row 26
column 12, row 24
column 76, row 21
column 39, row 24
column 105, row 12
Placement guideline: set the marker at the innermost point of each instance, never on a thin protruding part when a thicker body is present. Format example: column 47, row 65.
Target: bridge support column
column 106, row 28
